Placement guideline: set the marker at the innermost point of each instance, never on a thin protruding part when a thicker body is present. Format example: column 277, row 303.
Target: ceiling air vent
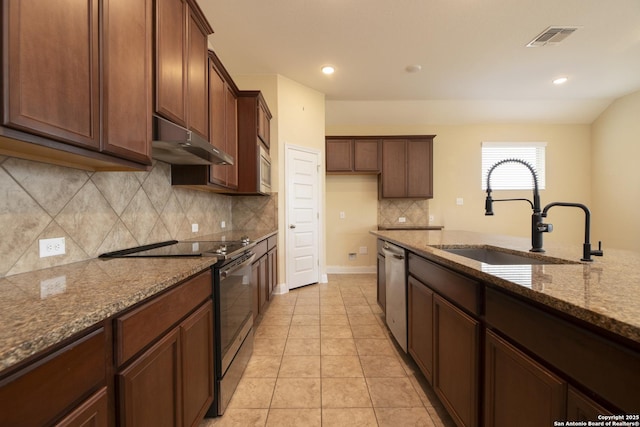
column 551, row 36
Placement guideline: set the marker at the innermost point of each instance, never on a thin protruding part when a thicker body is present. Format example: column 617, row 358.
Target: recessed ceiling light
column 560, row 80
column 413, row 68
column 328, row 69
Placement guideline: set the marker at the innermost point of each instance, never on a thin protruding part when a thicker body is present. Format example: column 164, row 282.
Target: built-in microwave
column 264, row 174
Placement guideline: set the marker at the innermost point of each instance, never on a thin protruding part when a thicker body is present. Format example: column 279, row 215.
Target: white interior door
column 303, row 222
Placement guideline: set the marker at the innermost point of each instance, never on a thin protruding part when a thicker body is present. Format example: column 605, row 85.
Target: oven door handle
column 226, row 273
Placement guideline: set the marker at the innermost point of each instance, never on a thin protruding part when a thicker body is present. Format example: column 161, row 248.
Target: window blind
column 513, row 176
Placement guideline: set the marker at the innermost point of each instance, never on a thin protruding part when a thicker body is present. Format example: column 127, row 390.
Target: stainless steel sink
column 496, row 256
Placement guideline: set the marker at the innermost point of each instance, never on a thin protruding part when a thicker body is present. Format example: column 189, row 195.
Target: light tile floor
column 324, row 357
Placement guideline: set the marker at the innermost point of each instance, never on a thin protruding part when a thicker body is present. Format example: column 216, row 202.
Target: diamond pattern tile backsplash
column 415, row 211
column 99, row 212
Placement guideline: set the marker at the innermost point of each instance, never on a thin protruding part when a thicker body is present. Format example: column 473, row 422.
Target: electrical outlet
column 364, row 250
column 52, row 247
column 459, row 201
column 432, row 218
column 342, row 215
column 194, row 228
column 223, row 224
column 402, row 219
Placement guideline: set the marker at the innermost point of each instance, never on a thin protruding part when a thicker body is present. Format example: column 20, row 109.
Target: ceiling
column 476, row 67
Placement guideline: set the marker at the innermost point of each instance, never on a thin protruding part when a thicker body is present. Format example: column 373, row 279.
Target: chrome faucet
column 586, row 246
column 537, row 226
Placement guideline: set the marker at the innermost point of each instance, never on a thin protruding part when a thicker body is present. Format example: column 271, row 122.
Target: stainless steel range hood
column 179, row 146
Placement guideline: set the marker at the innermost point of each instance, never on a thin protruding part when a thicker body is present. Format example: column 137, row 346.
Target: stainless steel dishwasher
column 396, row 292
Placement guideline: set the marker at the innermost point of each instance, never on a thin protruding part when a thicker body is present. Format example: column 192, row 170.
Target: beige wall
column 298, row 119
column 357, row 197
column 457, row 175
column 616, row 174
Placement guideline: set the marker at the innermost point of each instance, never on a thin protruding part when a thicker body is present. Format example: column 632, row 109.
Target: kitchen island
column 543, row 342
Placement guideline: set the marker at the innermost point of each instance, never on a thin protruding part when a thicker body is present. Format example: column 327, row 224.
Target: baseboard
column 343, row 269
column 280, row 288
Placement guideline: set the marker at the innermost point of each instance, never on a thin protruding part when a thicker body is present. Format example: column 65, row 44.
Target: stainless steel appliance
column 396, row 292
column 265, row 171
column 232, row 301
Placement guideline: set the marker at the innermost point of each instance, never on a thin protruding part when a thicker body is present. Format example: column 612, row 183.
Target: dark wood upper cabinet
column 77, row 82
column 197, row 82
column 407, row 168
column 171, row 60
column 52, row 80
column 251, row 107
column 128, row 91
column 223, row 134
column 181, row 64
column 264, row 124
column 352, row 155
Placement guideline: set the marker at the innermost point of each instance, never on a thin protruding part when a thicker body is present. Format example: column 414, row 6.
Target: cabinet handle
column 292, row 226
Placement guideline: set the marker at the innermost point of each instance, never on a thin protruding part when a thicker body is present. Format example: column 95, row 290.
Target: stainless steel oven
column 232, row 302
column 233, row 325
column 265, row 171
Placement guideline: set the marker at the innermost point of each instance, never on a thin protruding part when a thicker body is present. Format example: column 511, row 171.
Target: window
column 513, row 176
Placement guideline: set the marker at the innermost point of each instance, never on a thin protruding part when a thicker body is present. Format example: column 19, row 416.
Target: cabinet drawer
column 601, row 365
column 272, row 242
column 54, row 384
column 141, row 326
column 260, row 249
column 455, row 287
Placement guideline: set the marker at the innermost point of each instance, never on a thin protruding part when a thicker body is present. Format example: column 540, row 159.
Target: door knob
column 292, row 226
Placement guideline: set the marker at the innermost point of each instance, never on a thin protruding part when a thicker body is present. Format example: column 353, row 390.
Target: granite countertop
column 42, row 308
column 604, row 293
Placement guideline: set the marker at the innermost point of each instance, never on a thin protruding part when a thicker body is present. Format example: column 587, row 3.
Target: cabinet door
column 255, row 291
column 263, row 284
column 582, row 408
column 272, row 270
column 264, row 127
column 196, row 336
column 198, row 111
column 150, row 386
column 456, row 354
column 339, row 155
column 217, row 104
column 519, row 391
column 366, row 155
column 52, row 84
column 127, row 87
column 419, row 168
column 382, row 284
column 394, row 171
column 91, row 413
column 171, row 64
column 231, row 137
column 420, row 318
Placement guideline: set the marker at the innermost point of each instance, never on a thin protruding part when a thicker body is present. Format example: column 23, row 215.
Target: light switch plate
column 194, row 228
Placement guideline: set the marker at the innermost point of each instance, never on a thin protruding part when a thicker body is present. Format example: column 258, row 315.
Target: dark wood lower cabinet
column 196, row 336
column 420, row 326
column 582, row 408
column 149, row 389
column 456, row 359
column 92, row 413
column 518, row 390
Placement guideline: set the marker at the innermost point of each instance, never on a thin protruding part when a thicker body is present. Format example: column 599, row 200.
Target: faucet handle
column 598, row 252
